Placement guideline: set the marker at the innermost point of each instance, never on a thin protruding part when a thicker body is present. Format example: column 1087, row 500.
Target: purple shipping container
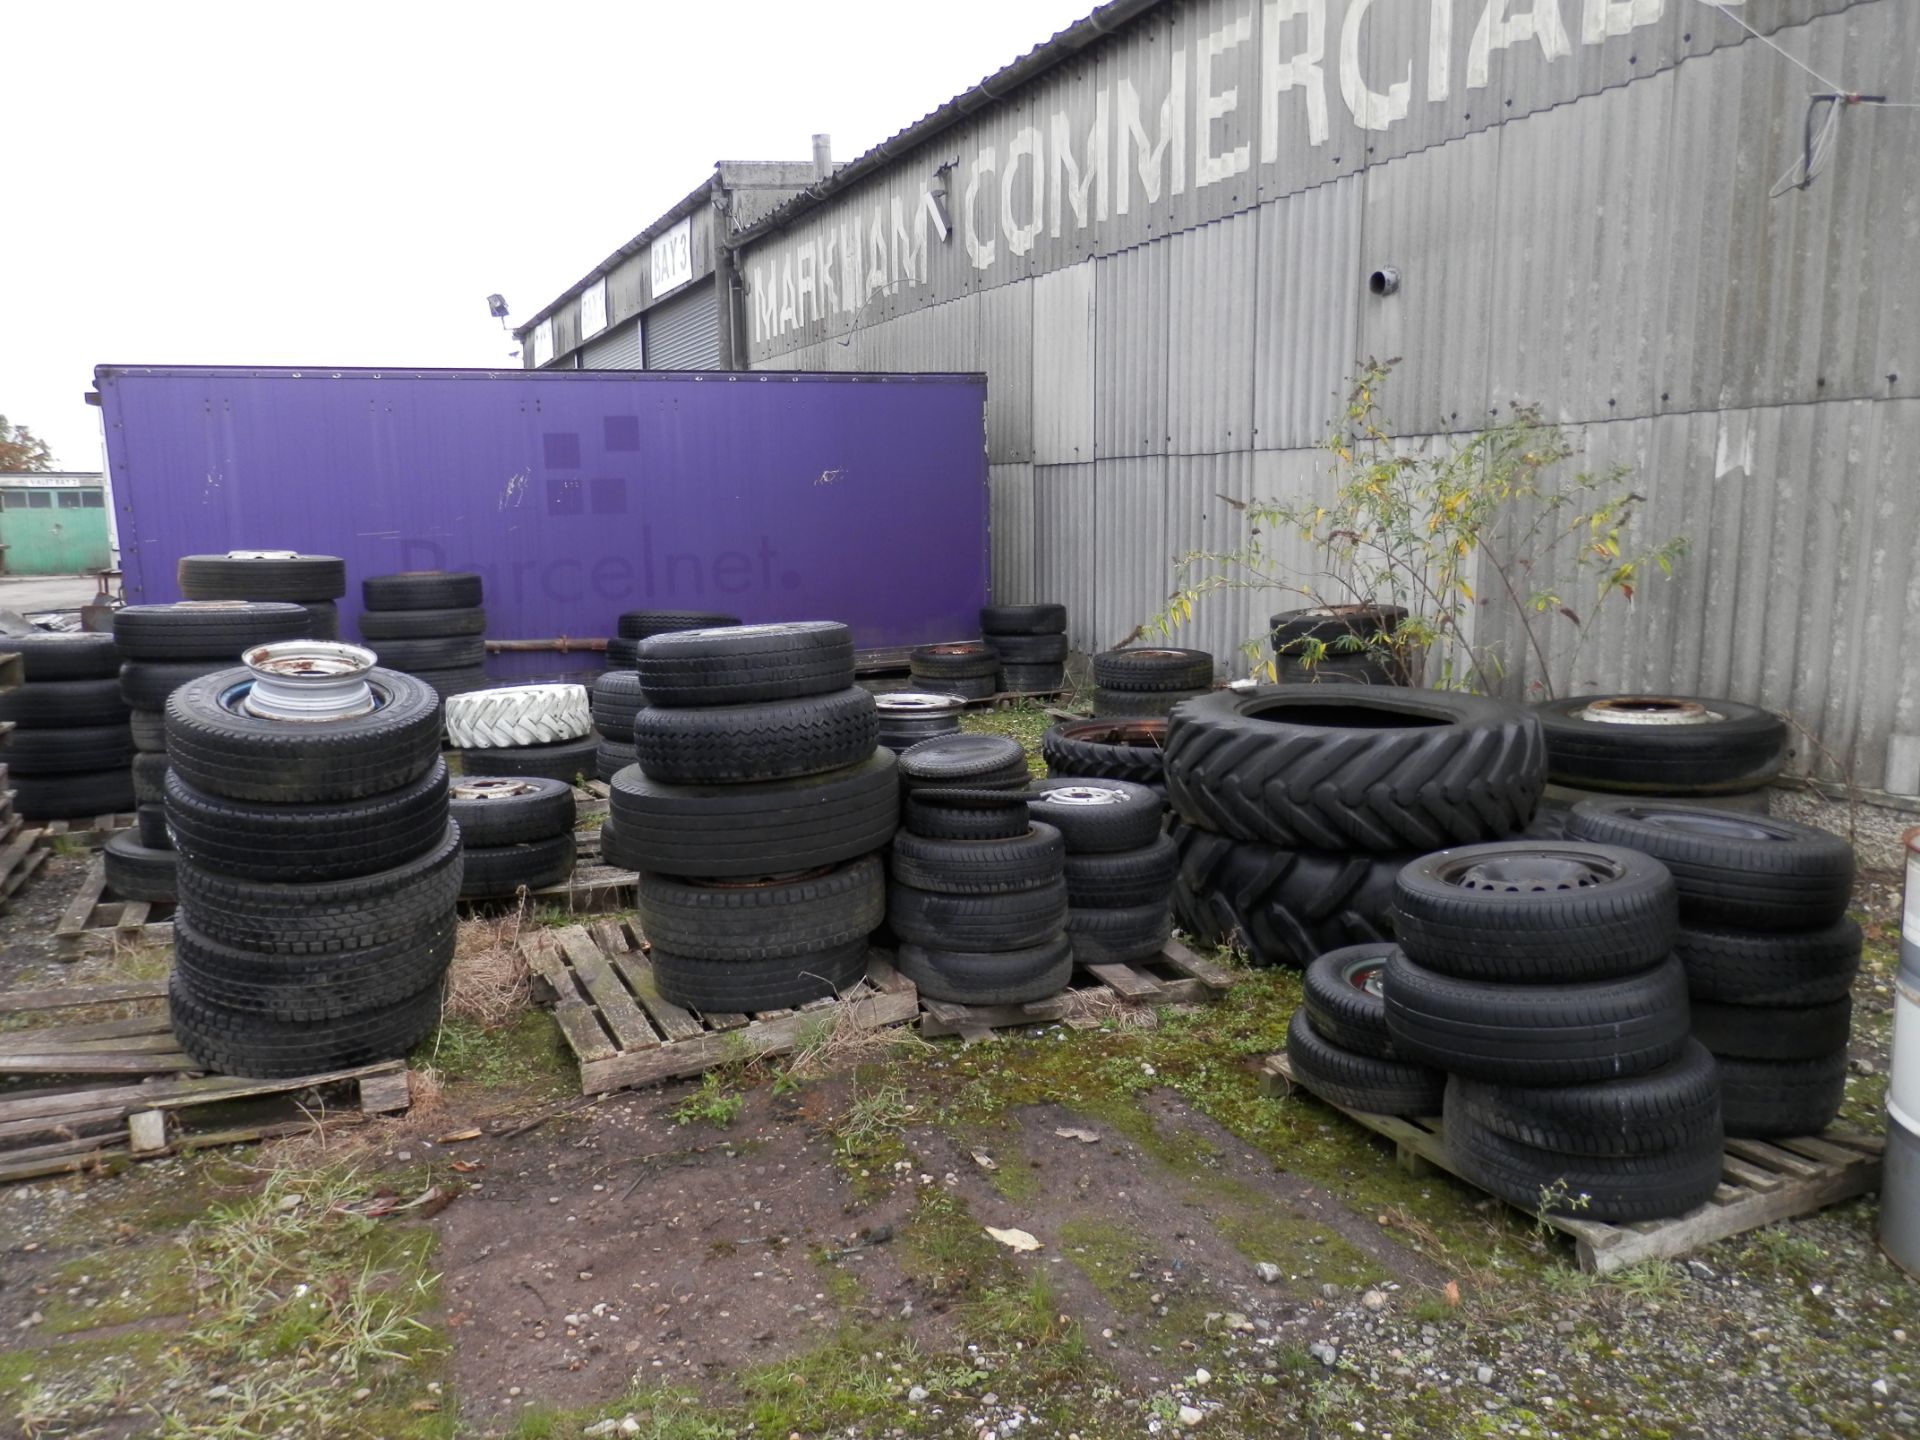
column 576, row 494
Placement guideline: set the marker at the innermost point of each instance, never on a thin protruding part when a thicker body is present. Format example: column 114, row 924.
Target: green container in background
column 53, row 524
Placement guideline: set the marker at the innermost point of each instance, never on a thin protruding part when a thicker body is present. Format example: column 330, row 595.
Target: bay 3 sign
column 1051, row 174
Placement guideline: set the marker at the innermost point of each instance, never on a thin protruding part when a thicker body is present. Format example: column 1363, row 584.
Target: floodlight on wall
column 497, row 306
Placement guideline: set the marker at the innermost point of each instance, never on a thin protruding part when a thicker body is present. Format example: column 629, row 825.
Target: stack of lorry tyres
column 516, row 831
column 1541, row 977
column 544, row 730
column 1340, row 1047
column 1119, row 868
column 1031, row 643
column 909, row 716
column 161, row 648
column 633, row 626
column 1769, row 953
column 967, row 669
column 978, row 900
column 68, row 752
column 1671, row 747
column 1339, row 644
column 314, row 581
column 318, row 868
column 430, row 623
column 1297, row 805
column 1147, row 683
column 755, row 814
column 1132, row 750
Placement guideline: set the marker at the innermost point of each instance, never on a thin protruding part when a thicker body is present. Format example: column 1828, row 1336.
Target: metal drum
column 1900, row 1180
column 907, row 717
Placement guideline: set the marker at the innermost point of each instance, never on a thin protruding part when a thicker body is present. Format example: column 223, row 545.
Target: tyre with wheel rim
column 1153, row 669
column 1661, row 744
column 1107, row 750
column 746, row 664
column 262, row 575
column 908, row 717
column 960, row 660
column 1529, row 911
column 1097, row 815
column 1343, row 996
column 1749, row 871
column 509, row 809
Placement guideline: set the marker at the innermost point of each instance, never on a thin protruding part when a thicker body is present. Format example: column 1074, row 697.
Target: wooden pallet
column 601, row 988
column 93, row 833
column 1175, row 976
column 93, row 918
column 145, row 1112
column 1761, row 1181
column 20, row 852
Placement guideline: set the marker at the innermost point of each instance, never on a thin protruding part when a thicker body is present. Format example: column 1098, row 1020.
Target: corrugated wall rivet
column 1384, row 281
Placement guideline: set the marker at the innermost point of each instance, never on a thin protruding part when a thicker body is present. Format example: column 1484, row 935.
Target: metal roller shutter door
column 684, row 333
column 616, row 350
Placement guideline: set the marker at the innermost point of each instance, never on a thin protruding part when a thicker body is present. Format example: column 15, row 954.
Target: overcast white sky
column 344, row 183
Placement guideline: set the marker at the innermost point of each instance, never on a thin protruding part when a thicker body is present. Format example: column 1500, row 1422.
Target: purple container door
column 575, row 494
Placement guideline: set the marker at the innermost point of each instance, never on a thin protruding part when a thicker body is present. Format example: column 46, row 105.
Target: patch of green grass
column 1025, row 721
column 125, row 1283
column 528, row 1053
column 710, row 1103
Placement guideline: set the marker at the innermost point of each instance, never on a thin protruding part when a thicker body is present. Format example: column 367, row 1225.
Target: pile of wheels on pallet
column 1147, row 683
column 162, row 647
column 1769, row 953
column 1338, row 645
column 516, row 832
column 979, row 897
column 318, row 869
column 755, row 814
column 315, row 582
column 71, row 743
column 1297, row 805
column 1030, row 643
column 1119, row 868
column 525, row 730
column 430, row 624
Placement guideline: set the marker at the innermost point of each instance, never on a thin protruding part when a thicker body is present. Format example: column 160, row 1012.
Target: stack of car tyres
column 430, row 623
column 1146, row 683
column 1297, row 805
column 541, row 730
column 634, row 626
column 314, row 581
column 966, row 669
column 909, row 716
column 1031, row 643
column 978, row 901
column 1119, row 868
column 516, row 832
column 162, row 647
column 1769, row 952
column 1692, row 749
column 1338, row 645
column 755, row 814
column 318, row 878
column 1338, row 1043
column 965, row 761
column 67, row 753
column 1541, row 977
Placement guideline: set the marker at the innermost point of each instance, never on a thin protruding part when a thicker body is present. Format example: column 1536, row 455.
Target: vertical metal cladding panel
column 1006, row 354
column 1800, row 584
column 1306, row 309
column 1013, row 553
column 617, row 349
column 1131, row 561
column 1295, row 478
column 627, row 288
column 1427, row 215
column 1063, row 336
column 1578, row 250
column 1131, row 351
column 1221, row 39
column 1063, row 540
column 1076, row 143
column 1312, row 136
column 683, row 333
column 1137, row 72
column 1210, row 364
column 1010, row 211
column 1205, row 499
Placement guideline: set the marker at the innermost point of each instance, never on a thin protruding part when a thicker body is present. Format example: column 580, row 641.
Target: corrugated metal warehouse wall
column 1576, row 196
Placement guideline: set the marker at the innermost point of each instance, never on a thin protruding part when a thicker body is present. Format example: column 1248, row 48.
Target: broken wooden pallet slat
column 71, row 997
column 579, row 1022
column 630, row 1027
column 1793, row 1185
